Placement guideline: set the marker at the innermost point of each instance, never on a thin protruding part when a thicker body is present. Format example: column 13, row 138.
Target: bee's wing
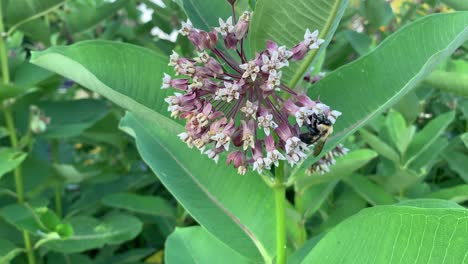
column 319, row 146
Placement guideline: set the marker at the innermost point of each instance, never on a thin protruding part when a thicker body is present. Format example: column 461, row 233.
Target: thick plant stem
column 280, row 197
column 13, row 138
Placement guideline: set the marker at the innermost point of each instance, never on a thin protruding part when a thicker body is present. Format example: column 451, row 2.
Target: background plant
column 83, row 192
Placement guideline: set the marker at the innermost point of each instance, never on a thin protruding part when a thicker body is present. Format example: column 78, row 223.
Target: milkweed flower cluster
column 323, row 165
column 240, row 105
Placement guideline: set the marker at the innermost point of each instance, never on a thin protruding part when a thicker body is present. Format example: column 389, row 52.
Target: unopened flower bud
column 38, row 122
column 242, row 25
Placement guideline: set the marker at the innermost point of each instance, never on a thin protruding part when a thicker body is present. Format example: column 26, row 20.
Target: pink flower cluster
column 239, row 105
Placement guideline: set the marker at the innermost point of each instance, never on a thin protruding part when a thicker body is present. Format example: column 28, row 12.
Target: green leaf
column 368, row 190
column 464, row 138
column 380, row 146
column 128, row 75
column 456, row 4
column 4, row 132
column 410, row 235
column 400, row 135
column 8, row 251
column 430, row 203
column 458, row 162
column 360, row 42
column 70, row 174
column 428, row 135
column 344, row 166
column 10, row 159
column 18, row 12
column 387, row 73
column 214, row 195
column 205, row 14
column 286, row 22
column 194, row 245
column 458, row 194
column 378, row 12
column 71, row 118
column 91, row 233
column 84, row 16
column 409, row 106
column 28, row 74
column 347, row 204
column 10, row 90
column 452, row 82
column 21, row 217
column 428, row 157
column 151, row 205
column 313, row 197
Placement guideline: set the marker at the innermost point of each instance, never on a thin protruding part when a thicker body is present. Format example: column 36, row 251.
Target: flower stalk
column 280, row 213
column 12, row 132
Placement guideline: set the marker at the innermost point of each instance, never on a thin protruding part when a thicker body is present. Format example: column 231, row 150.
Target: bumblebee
column 319, row 128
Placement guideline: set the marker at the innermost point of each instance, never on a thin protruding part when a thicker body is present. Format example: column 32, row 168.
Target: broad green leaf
column 346, row 205
column 22, row 217
column 128, row 75
column 424, row 162
column 400, row 134
column 298, row 256
column 409, row 235
column 194, row 245
column 91, row 233
column 457, row 194
column 3, row 132
column 36, row 29
column 84, row 15
column 205, row 14
column 380, row 146
column 370, row 191
column 344, row 166
column 456, row 4
column 71, row 118
column 401, row 180
column 70, row 174
column 378, row 12
column 452, row 82
column 28, row 74
column 430, row 203
column 366, row 87
column 458, row 162
column 130, row 256
column 10, row 159
column 464, row 138
column 313, row 197
column 151, row 205
column 360, row 42
column 286, row 22
column 92, row 195
column 8, row 251
column 409, row 106
column 10, row 90
column 214, row 194
column 57, row 258
column 428, row 135
column 18, row 12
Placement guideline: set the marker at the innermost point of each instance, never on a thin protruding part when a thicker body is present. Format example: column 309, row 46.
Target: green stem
column 280, row 197
column 299, row 205
column 58, row 200
column 58, row 186
column 13, row 137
